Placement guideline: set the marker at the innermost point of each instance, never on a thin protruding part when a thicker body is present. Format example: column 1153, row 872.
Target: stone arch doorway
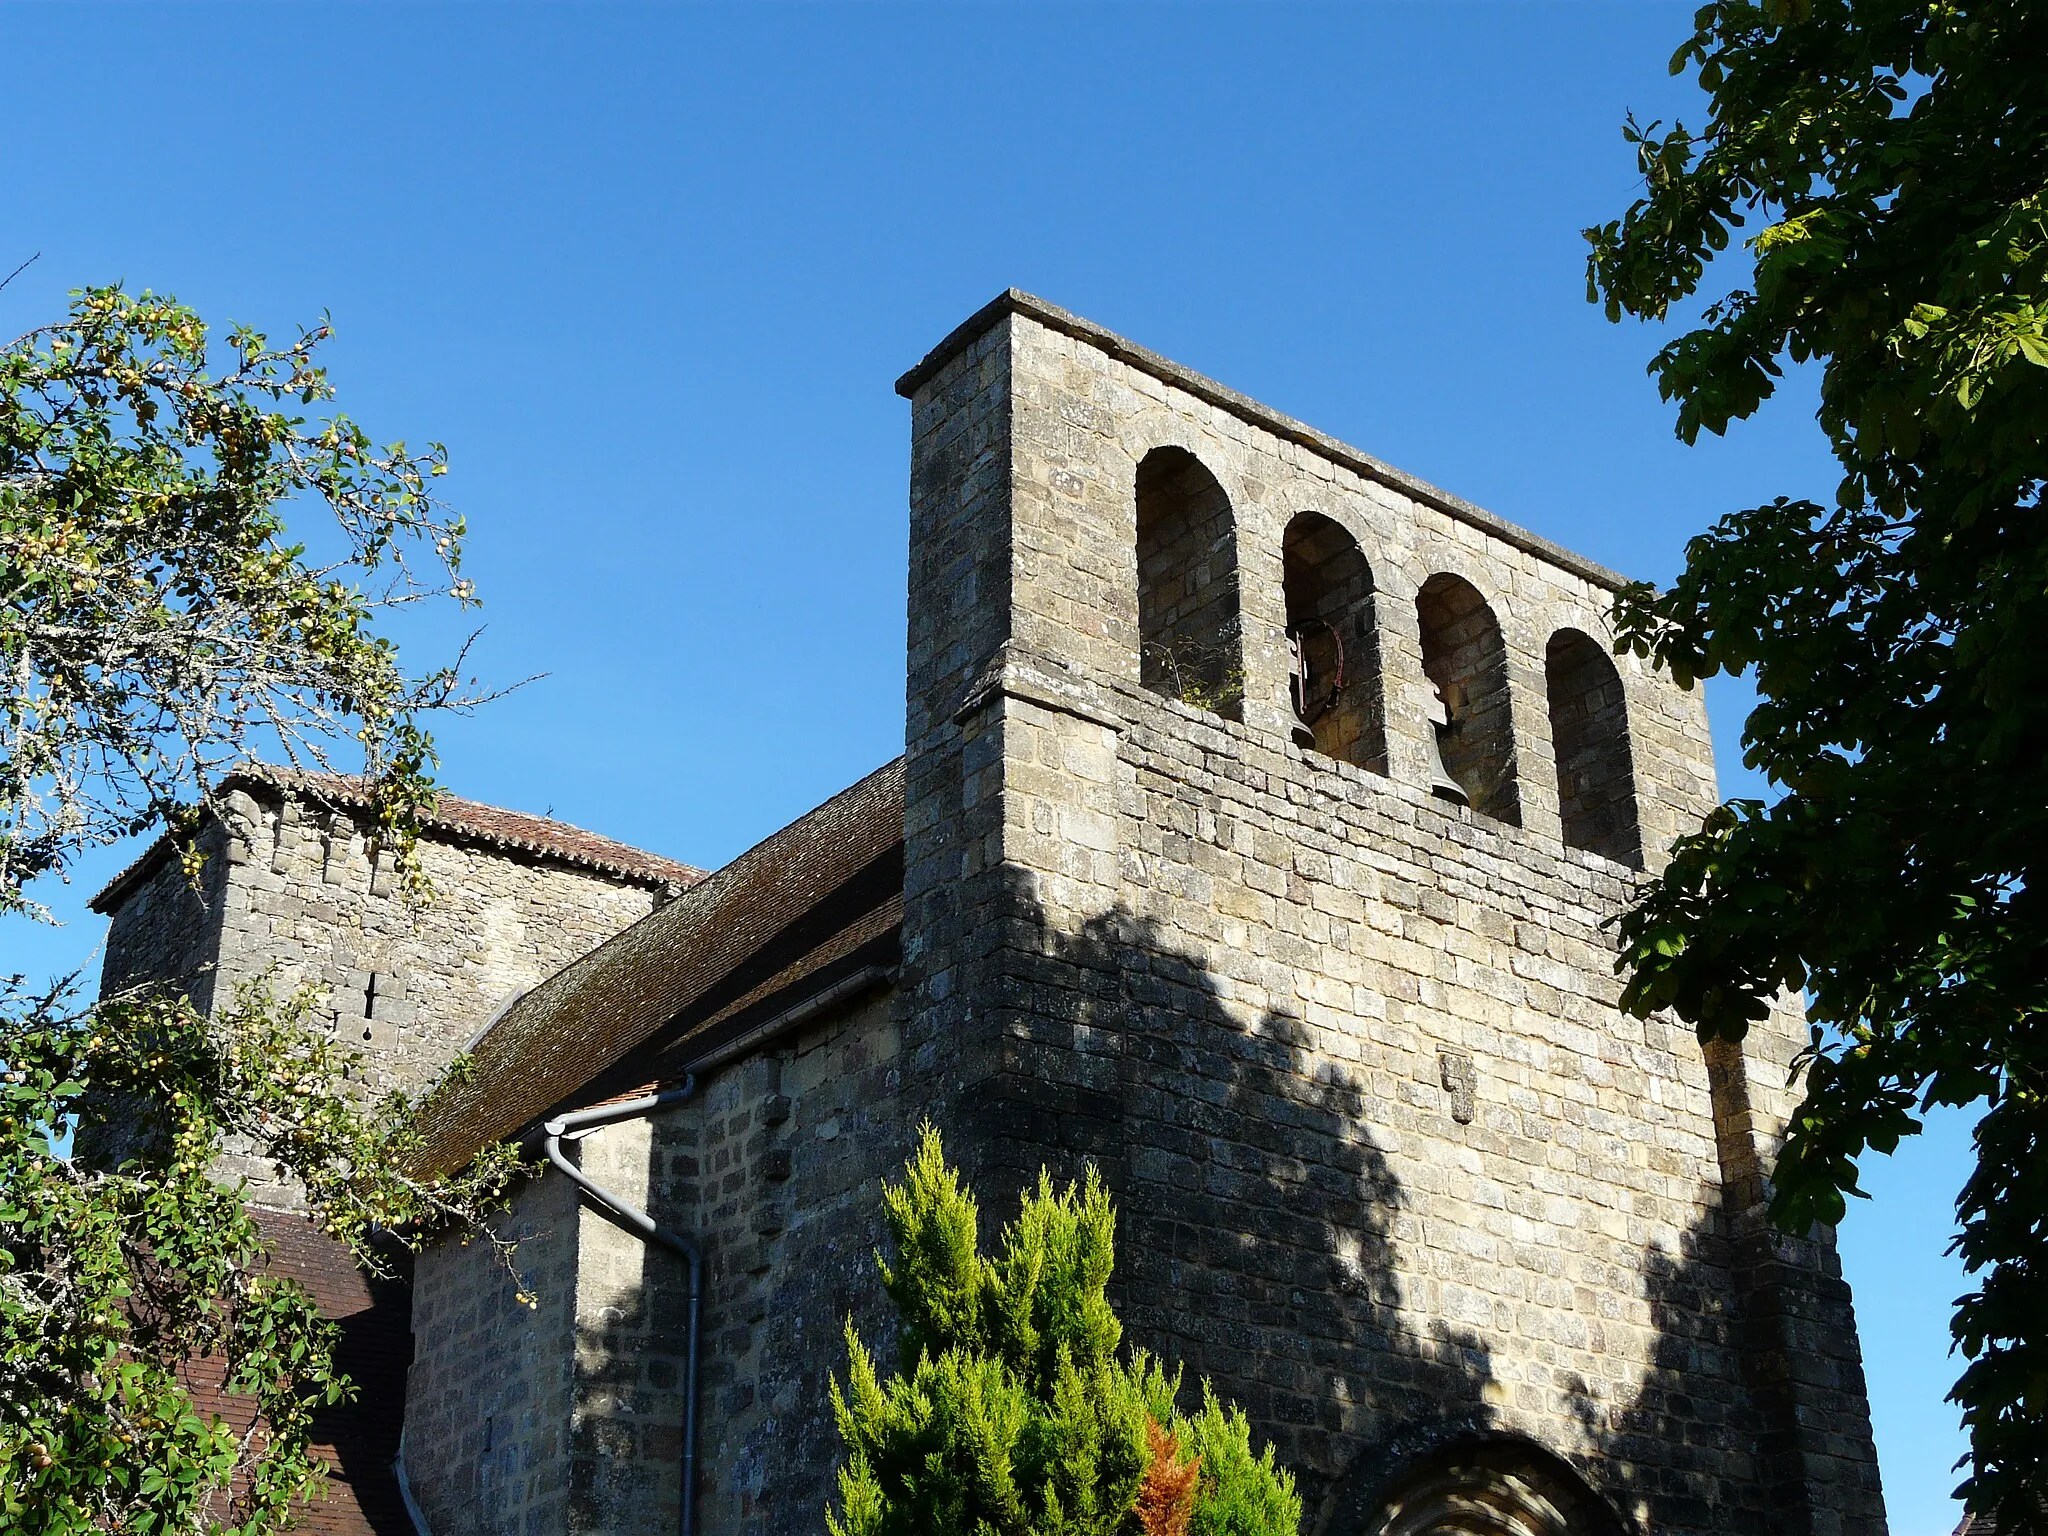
column 1485, row 1487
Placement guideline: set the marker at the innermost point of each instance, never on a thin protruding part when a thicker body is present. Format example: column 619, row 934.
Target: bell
column 1302, row 679
column 1441, row 784
column 1297, row 675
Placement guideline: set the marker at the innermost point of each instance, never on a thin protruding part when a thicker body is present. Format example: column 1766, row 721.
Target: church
column 1261, row 817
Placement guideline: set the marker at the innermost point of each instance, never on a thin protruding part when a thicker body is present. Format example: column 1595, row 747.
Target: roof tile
column 824, row 892
column 452, row 817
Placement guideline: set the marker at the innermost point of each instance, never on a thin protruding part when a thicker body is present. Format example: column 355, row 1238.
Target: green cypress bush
column 1013, row 1412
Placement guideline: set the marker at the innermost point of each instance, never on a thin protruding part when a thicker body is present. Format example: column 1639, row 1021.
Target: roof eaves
column 787, row 896
column 648, row 870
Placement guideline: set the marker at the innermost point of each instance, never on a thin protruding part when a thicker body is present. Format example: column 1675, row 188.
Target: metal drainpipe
column 649, row 1230
column 405, row 1494
column 862, row 980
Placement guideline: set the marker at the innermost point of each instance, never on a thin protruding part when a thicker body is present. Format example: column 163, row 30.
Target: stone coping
column 1014, row 301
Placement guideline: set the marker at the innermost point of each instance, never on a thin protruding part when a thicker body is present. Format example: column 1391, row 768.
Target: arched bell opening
column 1334, row 686
column 1596, row 780
column 1467, row 666
column 1500, row 1487
column 1189, row 638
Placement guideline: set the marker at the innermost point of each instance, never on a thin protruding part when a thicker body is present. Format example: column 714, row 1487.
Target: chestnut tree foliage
column 158, row 625
column 1889, row 162
column 1014, row 1412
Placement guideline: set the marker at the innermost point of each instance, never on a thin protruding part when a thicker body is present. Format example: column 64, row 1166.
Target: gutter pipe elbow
column 648, row 1230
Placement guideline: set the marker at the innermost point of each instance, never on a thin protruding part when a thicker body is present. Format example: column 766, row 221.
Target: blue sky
column 649, row 272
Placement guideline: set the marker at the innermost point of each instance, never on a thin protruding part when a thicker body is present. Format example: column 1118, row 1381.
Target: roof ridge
column 1015, row 301
column 460, row 813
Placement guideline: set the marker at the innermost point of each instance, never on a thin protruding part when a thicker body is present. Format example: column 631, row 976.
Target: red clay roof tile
column 453, row 818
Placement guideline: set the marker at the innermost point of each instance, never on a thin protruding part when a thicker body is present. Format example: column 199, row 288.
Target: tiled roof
column 357, row 1440
column 454, row 819
column 816, row 901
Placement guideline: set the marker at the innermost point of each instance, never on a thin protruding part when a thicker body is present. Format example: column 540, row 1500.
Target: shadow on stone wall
column 788, row 1257
column 624, row 1436
column 1259, row 1225
column 1262, row 1240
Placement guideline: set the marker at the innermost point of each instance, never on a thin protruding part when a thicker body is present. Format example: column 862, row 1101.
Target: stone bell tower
column 1264, row 808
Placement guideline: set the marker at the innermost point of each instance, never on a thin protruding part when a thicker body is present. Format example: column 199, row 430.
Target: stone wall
column 625, row 1420
column 797, row 1145
column 487, row 1400
column 776, row 1168
column 165, row 930
column 1393, row 1167
column 310, row 901
column 293, row 894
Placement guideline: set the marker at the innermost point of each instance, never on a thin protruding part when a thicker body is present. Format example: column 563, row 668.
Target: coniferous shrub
column 1013, row 1412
